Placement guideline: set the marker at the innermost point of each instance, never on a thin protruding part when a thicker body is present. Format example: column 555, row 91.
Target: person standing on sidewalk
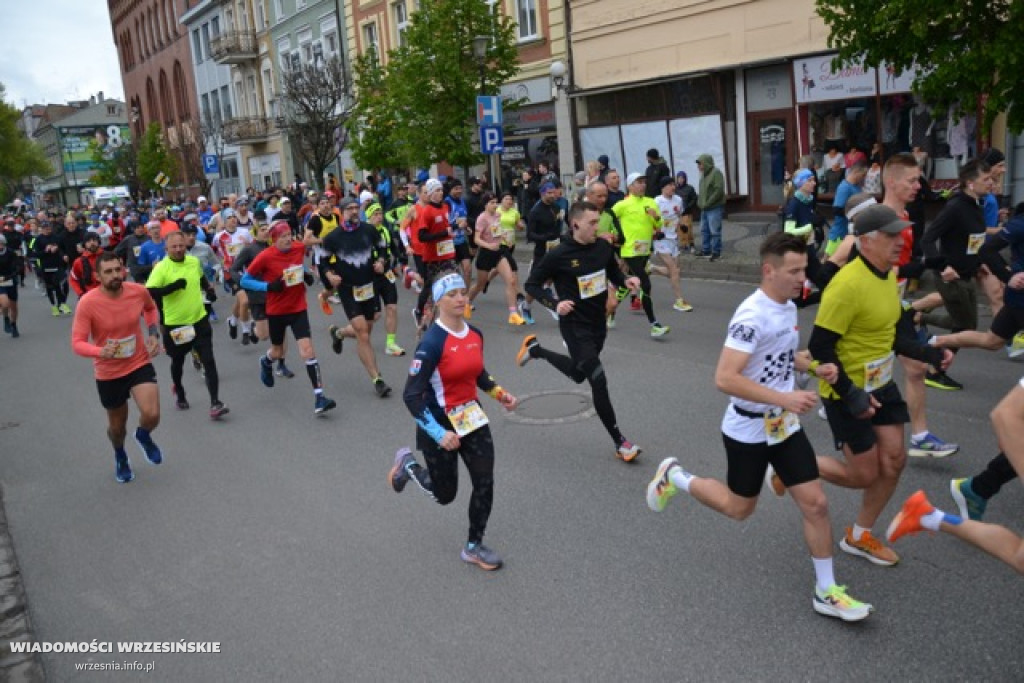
column 711, row 202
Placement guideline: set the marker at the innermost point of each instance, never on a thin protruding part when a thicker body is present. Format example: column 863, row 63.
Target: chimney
column 92, row 99
column 99, row 98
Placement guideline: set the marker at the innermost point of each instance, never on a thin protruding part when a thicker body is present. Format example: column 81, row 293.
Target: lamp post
column 480, row 45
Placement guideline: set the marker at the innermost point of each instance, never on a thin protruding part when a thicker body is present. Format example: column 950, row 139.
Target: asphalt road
column 275, row 534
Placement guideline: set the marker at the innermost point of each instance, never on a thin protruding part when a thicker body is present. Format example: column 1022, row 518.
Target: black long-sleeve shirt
column 949, row 235
column 570, row 266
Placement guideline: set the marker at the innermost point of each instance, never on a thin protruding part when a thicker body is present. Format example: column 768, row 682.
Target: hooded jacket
column 711, row 192
column 656, row 170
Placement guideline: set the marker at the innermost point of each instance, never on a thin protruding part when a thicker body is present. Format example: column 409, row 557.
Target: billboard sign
column 76, row 152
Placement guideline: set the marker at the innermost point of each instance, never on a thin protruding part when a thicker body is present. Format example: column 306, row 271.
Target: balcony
column 245, row 130
column 234, row 47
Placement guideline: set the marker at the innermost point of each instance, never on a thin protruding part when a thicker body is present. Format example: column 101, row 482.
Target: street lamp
column 557, row 71
column 480, row 46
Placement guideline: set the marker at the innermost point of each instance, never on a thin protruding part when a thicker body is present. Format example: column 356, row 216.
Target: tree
column 964, row 53
column 317, row 101
column 200, row 137
column 20, row 158
column 154, row 157
column 374, row 112
column 118, row 168
column 430, row 84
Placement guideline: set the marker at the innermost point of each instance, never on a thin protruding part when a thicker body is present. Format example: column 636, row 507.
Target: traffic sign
column 492, row 139
column 488, row 110
column 211, row 164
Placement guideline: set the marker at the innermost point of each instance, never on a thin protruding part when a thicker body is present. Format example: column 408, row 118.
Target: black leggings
column 56, row 287
column 203, row 344
column 638, row 267
column 999, row 471
column 441, row 478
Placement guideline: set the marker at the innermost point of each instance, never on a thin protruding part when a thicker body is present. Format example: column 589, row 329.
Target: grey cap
column 881, row 218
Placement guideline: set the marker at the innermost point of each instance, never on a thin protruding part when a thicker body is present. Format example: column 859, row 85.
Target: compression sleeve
column 418, row 392
column 253, row 283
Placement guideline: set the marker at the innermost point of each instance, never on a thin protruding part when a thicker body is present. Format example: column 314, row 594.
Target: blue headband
column 446, row 284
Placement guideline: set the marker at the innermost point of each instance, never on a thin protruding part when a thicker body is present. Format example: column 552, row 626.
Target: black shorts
column 859, row 435
column 258, row 311
column 114, row 393
column 279, row 324
column 1008, row 322
column 11, row 292
column 386, row 290
column 488, row 260
column 583, row 341
column 353, row 309
column 793, row 460
column 463, row 253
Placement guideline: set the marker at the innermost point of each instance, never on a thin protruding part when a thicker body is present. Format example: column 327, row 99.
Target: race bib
column 183, row 335
column 390, row 275
column 974, row 242
column 551, row 244
column 234, row 249
column 123, row 348
column 292, row 275
column 779, row 425
column 445, row 247
column 362, row 292
column 6, row 283
column 641, row 247
column 878, row 373
column 136, row 251
column 467, row 418
column 592, row 284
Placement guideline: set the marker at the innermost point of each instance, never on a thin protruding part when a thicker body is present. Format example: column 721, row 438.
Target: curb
column 15, row 624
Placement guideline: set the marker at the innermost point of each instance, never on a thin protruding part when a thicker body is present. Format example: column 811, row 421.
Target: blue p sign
column 492, row 139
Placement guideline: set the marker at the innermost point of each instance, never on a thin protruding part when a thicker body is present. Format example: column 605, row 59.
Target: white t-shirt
column 831, row 160
column 671, row 209
column 768, row 331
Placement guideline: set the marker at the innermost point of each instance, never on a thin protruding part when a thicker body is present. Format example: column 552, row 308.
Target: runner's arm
column 906, row 344
column 80, row 334
column 822, row 346
column 418, row 395
column 541, row 273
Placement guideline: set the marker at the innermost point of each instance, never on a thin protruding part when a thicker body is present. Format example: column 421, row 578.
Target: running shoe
column 253, row 337
column 836, row 603
column 14, row 330
column 627, row 451
column 213, row 316
column 336, row 339
column 393, row 349
column 149, row 448
column 970, row 504
column 868, row 547
column 1015, row 349
column 417, row 319
column 659, row 330
column 283, row 370
column 55, row 311
column 774, row 481
column 661, row 488
column 524, row 357
column 908, row 519
column 218, row 410
column 610, row 322
column 323, row 404
column 636, row 306
column 407, row 278
column 381, row 387
column 822, row 414
column 940, row 380
column 682, row 305
column 179, row 398
column 266, row 371
column 715, row 257
column 334, row 299
column 325, row 305
column 232, row 329
column 481, row 556
column 398, row 475
column 931, row 446
column 515, row 319
column 123, row 469
column 246, row 338
column 65, row 309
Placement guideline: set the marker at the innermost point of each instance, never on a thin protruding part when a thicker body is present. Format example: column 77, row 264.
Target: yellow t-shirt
column 864, row 310
column 509, row 221
column 637, row 225
column 184, row 306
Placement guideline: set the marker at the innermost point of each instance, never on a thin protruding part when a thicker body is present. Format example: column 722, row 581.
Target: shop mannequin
column 921, row 126
column 835, row 129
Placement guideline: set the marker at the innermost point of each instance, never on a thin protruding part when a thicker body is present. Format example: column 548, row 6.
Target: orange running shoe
column 325, row 305
column 870, row 548
column 908, row 519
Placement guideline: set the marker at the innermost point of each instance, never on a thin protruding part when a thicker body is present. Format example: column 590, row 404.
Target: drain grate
column 553, row 407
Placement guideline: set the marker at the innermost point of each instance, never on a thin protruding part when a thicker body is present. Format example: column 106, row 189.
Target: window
column 526, row 13
column 318, row 53
column 204, row 103
column 215, row 26
column 215, row 108
column 197, row 46
column 329, row 37
column 254, row 96
column 229, row 168
column 205, row 32
column 111, row 110
column 225, row 98
column 261, row 15
column 305, row 38
column 296, row 63
column 401, row 21
column 278, row 10
column 181, row 92
column 370, row 41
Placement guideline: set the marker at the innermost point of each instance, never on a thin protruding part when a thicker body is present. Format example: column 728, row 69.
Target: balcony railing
column 245, row 129
column 234, row 47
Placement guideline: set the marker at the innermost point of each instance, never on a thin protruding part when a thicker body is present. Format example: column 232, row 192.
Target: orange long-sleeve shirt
column 103, row 318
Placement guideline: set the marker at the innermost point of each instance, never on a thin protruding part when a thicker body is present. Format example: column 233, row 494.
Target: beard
column 114, row 285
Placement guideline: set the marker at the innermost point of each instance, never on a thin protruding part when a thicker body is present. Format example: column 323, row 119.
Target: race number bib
column 779, row 425
column 551, row 244
column 234, row 249
column 878, row 373
column 123, row 348
column 974, row 242
column 592, row 285
column 445, row 247
column 390, row 275
column 136, row 251
column 362, row 292
column 641, row 247
column 183, row 335
column 292, row 275
column 467, row 418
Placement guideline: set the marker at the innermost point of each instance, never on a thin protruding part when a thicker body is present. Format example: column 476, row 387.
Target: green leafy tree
column 964, row 53
column 20, row 158
column 154, row 157
column 430, row 84
column 119, row 168
column 374, row 129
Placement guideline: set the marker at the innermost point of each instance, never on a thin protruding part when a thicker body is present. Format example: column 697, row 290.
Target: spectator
column 711, row 202
column 657, row 170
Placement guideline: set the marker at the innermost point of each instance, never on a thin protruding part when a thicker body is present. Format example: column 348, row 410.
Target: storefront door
column 772, row 144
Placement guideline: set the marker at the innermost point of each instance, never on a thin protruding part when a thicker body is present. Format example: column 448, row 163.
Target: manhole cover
column 553, row 407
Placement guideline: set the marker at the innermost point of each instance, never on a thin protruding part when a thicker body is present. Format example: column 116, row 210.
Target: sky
column 64, row 51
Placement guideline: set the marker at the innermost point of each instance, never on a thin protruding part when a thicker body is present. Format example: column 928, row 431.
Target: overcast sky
column 58, row 50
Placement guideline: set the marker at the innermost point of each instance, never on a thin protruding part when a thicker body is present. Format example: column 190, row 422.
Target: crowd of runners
column 147, row 281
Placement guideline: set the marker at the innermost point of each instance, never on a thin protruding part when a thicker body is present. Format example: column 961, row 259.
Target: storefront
column 771, row 133
column 530, row 138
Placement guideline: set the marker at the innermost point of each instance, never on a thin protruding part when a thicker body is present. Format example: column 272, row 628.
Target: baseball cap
column 200, row 198
column 190, row 229
column 365, row 196
column 191, row 217
column 242, row 201
column 284, row 200
column 433, row 185
column 879, row 217
column 633, row 177
column 802, row 176
column 347, row 202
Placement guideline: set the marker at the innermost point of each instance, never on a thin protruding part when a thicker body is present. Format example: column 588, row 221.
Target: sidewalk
column 741, row 239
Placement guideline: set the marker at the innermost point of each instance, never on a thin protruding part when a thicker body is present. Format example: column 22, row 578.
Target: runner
column 441, row 394
column 433, row 236
column 10, row 265
column 258, row 300
column 83, row 275
column 760, row 428
column 544, row 227
column 857, row 329
column 228, row 244
column 386, row 284
column 106, row 329
column 461, row 229
column 321, row 223
column 278, row 270
column 150, row 252
column 48, row 250
column 131, row 246
column 581, row 267
column 178, row 284
column 666, row 249
column 494, row 256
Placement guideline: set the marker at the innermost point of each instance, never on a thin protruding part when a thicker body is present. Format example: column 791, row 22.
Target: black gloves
column 276, row 286
column 180, row 283
column 308, row 278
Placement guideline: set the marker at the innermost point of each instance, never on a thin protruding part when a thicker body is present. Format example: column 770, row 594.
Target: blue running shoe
column 931, row 446
column 971, row 505
column 266, row 371
column 150, row 449
column 398, row 476
column 481, row 556
column 123, row 469
column 283, row 370
column 323, row 404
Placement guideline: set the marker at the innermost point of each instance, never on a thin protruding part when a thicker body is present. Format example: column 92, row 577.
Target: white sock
column 858, row 532
column 933, row 519
column 232, row 320
column 919, row 436
column 823, row 572
column 681, row 478
column 247, row 327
